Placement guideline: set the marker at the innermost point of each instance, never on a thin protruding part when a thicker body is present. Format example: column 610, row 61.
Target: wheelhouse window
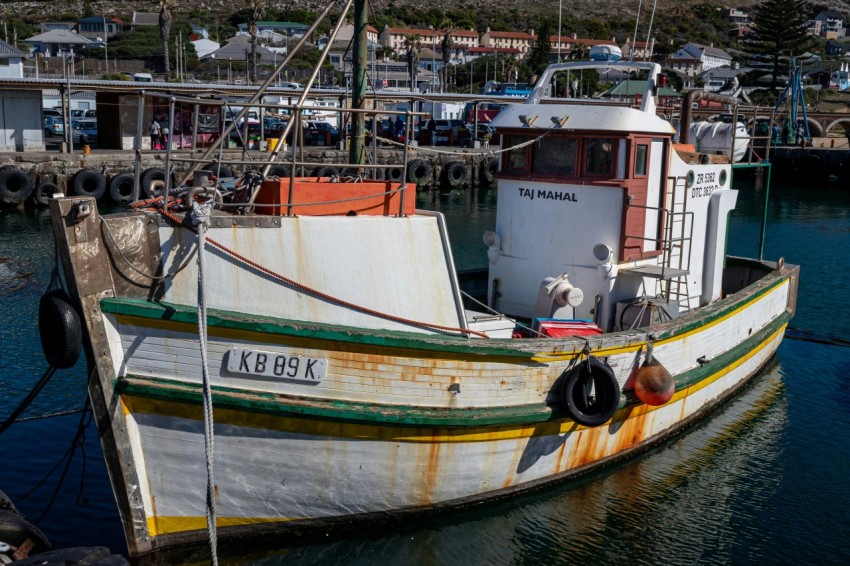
column 556, row 156
column 599, row 159
column 517, row 159
column 640, row 160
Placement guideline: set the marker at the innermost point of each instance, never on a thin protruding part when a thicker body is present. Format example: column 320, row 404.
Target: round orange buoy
column 653, row 384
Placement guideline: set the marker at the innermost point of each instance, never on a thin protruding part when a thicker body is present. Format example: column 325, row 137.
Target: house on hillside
column 52, row 25
column 694, row 58
column 11, row 61
column 519, row 40
column 238, row 51
column 573, row 47
column 204, row 47
column 57, row 42
column 716, row 78
column 144, row 19
column 837, row 48
column 828, row 25
column 395, row 38
column 639, row 51
column 94, row 27
column 283, row 28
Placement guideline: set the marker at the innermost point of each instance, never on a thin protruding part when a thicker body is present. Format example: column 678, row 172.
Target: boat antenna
column 649, row 31
column 634, row 37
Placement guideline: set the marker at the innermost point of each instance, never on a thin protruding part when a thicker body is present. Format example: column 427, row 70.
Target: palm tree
column 258, row 8
column 165, row 33
column 447, row 44
column 412, row 45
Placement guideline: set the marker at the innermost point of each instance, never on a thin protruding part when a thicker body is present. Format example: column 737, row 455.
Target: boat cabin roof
column 580, row 117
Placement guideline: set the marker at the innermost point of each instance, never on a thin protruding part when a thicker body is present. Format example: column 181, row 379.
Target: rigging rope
column 316, row 293
column 200, row 217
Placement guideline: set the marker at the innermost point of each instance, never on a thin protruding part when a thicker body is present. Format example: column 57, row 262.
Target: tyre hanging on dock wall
column 88, row 183
column 216, row 169
column 419, row 172
column 279, row 171
column 489, row 168
column 395, row 174
column 153, row 182
column 326, row 172
column 15, row 185
column 121, row 188
column 455, row 174
column 44, row 192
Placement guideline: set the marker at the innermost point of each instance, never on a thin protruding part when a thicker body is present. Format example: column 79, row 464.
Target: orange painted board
column 314, row 196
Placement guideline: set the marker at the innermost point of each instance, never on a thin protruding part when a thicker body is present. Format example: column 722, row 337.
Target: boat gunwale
column 448, row 344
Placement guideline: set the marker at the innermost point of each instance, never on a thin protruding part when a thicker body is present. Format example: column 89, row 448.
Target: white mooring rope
column 200, row 216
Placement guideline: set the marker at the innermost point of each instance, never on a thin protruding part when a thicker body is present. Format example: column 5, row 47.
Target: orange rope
column 320, row 294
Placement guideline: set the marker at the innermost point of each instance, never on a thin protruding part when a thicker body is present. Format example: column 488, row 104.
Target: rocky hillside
column 522, row 14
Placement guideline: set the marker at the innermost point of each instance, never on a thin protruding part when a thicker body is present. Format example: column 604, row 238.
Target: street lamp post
column 105, row 44
column 560, row 10
column 433, row 61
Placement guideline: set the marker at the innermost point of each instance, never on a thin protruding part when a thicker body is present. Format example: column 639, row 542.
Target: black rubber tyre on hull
column 596, row 377
column 419, row 172
column 455, row 174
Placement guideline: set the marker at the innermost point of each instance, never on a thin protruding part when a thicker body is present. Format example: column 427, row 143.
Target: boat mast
column 358, row 88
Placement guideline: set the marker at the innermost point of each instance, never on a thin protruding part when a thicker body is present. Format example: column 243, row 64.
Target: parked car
column 84, row 131
column 317, row 132
column 447, row 132
column 53, row 126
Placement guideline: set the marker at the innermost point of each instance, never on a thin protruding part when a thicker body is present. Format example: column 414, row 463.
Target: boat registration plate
column 274, row 364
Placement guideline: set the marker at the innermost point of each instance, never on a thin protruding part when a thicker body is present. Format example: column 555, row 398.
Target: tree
column 446, row 45
column 165, row 33
column 538, row 59
column 412, row 45
column 779, row 33
column 258, row 8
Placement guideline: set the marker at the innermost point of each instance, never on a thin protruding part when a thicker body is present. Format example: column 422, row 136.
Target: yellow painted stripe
column 545, row 357
column 163, row 525
column 390, row 433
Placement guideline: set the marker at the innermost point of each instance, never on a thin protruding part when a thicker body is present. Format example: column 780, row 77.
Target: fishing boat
column 304, row 343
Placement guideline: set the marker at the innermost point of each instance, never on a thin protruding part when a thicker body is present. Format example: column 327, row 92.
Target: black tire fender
column 121, row 188
column 278, row 171
column 326, row 172
column 395, row 174
column 15, row 185
column 489, row 168
column 576, row 388
column 44, row 192
column 455, row 174
column 153, row 182
column 14, row 530
column 88, row 183
column 213, row 167
column 60, row 329
column 419, row 172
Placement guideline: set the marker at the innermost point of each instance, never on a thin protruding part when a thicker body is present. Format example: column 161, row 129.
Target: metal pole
column 560, row 9
column 168, row 153
column 137, row 165
column 358, row 90
column 197, row 109
column 408, row 131
column 68, row 126
column 260, row 91
column 764, row 214
column 105, row 44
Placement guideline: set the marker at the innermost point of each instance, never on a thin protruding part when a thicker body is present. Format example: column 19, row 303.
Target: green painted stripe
column 446, row 344
column 372, row 413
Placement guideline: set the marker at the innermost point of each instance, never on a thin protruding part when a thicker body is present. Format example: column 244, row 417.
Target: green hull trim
column 371, row 413
column 444, row 346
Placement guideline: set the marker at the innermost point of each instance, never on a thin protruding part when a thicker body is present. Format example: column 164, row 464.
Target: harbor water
column 763, row 480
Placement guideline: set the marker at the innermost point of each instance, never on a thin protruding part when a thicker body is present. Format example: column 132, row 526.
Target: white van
column 143, row 77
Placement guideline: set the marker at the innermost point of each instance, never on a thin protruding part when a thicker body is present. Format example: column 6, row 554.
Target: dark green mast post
column 356, row 152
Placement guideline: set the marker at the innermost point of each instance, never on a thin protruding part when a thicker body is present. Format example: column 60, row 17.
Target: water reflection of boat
column 351, row 382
